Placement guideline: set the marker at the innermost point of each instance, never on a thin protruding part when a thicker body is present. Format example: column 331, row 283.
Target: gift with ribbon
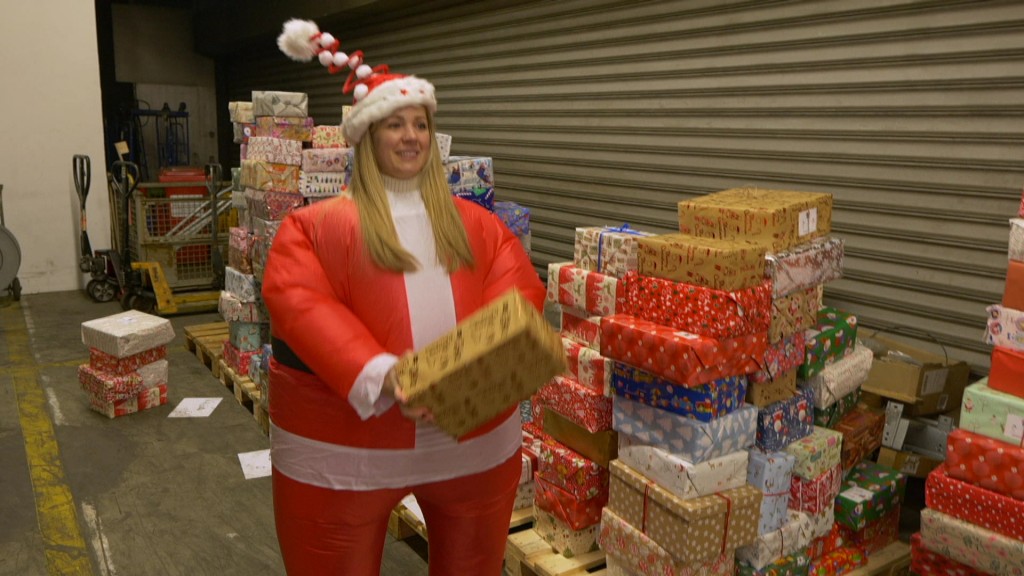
column 610, row 250
column 628, row 545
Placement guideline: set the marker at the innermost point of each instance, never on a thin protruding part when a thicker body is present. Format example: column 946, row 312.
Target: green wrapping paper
column 796, row 564
column 870, row 491
column 832, row 337
column 829, row 417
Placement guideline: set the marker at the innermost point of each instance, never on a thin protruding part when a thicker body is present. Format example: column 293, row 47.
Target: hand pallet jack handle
column 81, row 170
column 214, row 175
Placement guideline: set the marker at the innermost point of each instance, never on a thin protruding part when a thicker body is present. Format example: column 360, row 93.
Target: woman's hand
column 391, row 388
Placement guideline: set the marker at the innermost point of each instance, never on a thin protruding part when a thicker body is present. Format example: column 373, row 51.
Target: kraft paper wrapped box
column 768, row 392
column 584, row 406
column 792, row 537
column 582, row 328
column 694, row 530
column 261, row 175
column 794, row 312
column 609, row 250
column 691, row 440
column 781, row 357
column 333, row 160
column 563, row 467
column 680, row 357
column 817, row 495
column 563, row 539
column 698, row 309
column 796, row 564
column 869, row 492
column 841, row 377
column 274, row 103
column 818, row 452
column 324, row 137
column 833, row 336
column 127, row 333
column 233, row 309
column 782, row 219
column 771, row 474
column 241, row 112
column 587, row 366
column 721, row 264
column 784, row 422
column 971, row 503
column 829, row 417
column 993, row 413
column 148, row 398
column 274, row 150
column 991, row 464
column 1005, row 326
column 704, row 402
column 576, row 513
column 592, row 292
column 972, row 545
column 805, row 265
column 681, row 477
column 629, row 545
column 102, row 362
column 601, row 447
column 924, row 562
column 472, row 178
column 862, row 434
column 491, row 360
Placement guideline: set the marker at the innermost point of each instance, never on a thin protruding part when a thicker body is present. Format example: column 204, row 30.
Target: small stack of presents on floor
column 127, row 368
column 974, row 523
column 709, row 422
column 287, row 162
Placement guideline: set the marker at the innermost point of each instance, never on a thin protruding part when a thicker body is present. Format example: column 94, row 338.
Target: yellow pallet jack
column 164, row 301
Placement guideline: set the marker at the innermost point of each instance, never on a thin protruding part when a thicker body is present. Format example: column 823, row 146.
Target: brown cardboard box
column 761, row 394
column 601, row 447
column 493, row 359
column 932, row 386
column 723, row 264
column 780, row 218
column 907, row 462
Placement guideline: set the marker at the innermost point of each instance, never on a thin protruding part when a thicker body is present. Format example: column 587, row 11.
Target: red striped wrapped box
column 592, row 292
column 581, row 328
column 588, row 367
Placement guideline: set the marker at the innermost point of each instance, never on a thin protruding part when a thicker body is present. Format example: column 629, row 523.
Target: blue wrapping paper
column 785, row 421
column 472, row 178
column 771, row 474
column 705, row 402
column 515, row 217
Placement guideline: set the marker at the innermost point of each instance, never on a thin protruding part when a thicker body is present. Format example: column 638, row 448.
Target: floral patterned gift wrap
column 796, row 564
column 839, row 561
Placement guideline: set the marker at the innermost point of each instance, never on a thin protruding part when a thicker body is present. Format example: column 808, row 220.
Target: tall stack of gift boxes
column 730, row 391
column 974, row 521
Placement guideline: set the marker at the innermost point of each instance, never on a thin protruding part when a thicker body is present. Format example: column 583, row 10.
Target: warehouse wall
column 52, row 110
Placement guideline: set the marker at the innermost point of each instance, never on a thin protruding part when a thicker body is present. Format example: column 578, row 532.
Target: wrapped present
column 1005, row 325
column 579, row 476
column 818, row 452
column 691, row 440
column 333, row 160
column 781, row 219
column 830, row 540
column 270, row 204
column 515, row 217
column 993, row 413
column 611, row 251
column 576, row 513
column 786, row 421
column 325, row 137
column 1007, row 371
column 233, row 309
column 240, row 243
column 780, row 357
column 526, row 410
column 697, row 309
column 681, row 477
column 805, row 265
column 241, row 112
column 1016, row 248
column 243, row 286
column 472, row 178
column 601, row 447
column 274, row 151
column 767, row 392
column 589, row 408
column 108, row 387
column 817, row 494
column 876, row 535
column 791, row 538
column 841, row 377
column 822, row 522
column 262, row 175
column 986, row 462
column 869, row 492
column 127, row 333
column 592, row 292
column 490, row 361
column 839, row 561
column 971, row 503
column 924, row 562
column 1013, row 293
column 833, row 336
column 154, row 373
column 862, row 435
column 240, row 131
column 324, row 184
column 563, row 539
column 580, row 328
column 526, row 494
column 587, row 366
column 248, row 336
column 629, row 545
column 771, row 474
column 698, row 529
column 444, row 145
column 677, row 356
column 704, row 402
column 796, row 564
column 100, row 361
column 144, row 400
column 274, row 103
column 794, row 312
column 237, row 360
column 829, row 417
column 721, row 264
column 972, row 545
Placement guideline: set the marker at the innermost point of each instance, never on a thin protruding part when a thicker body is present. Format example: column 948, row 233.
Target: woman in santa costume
column 351, row 284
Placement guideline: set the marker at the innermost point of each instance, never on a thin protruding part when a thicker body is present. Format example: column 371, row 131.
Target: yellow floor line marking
column 65, row 549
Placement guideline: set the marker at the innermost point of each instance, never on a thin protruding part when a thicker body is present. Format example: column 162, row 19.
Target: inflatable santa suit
column 343, row 452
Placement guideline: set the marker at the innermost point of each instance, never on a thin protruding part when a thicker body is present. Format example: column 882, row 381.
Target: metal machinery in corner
column 10, row 256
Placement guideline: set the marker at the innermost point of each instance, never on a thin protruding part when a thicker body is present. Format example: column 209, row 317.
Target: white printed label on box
column 1014, row 427
column 911, row 464
column 943, row 400
column 857, row 494
column 934, row 381
column 808, row 221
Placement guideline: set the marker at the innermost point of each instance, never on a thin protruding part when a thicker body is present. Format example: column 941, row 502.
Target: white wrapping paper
column 794, row 535
column 680, row 477
column 841, row 378
column 127, row 333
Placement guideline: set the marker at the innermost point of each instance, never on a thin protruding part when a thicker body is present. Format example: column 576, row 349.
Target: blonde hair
column 378, row 229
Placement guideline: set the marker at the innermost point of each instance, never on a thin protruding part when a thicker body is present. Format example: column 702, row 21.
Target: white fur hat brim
column 383, row 101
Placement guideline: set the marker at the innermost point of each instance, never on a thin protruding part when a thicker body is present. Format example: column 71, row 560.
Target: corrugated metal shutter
column 596, row 112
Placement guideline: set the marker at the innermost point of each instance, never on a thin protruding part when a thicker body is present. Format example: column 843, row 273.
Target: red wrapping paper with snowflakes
column 989, row 463
column 588, row 367
column 109, row 387
column 813, row 496
column 565, row 468
column 110, row 364
column 974, row 504
column 581, row 329
column 698, row 309
column 839, row 561
column 577, row 513
column 876, row 535
column 580, row 404
column 590, row 291
column 924, row 562
column 682, row 357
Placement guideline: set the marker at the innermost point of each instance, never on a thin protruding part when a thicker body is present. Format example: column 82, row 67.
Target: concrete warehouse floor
column 142, row 494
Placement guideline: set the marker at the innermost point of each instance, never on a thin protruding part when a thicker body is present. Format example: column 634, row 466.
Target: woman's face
column 401, row 142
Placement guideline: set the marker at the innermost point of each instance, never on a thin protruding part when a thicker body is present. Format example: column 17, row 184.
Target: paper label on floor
column 195, row 408
column 255, row 464
column 413, row 506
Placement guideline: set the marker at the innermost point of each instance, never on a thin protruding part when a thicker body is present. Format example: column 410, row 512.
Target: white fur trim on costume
column 383, row 101
column 295, row 41
column 340, row 58
column 326, row 58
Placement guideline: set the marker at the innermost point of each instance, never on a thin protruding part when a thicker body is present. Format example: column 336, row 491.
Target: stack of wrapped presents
column 127, row 368
column 975, row 499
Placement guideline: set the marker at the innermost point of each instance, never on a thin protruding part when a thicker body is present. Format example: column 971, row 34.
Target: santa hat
column 376, row 92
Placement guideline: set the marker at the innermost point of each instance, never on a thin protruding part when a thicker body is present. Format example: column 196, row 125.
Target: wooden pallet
column 527, row 554
column 206, row 341
column 246, row 392
column 893, row 560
